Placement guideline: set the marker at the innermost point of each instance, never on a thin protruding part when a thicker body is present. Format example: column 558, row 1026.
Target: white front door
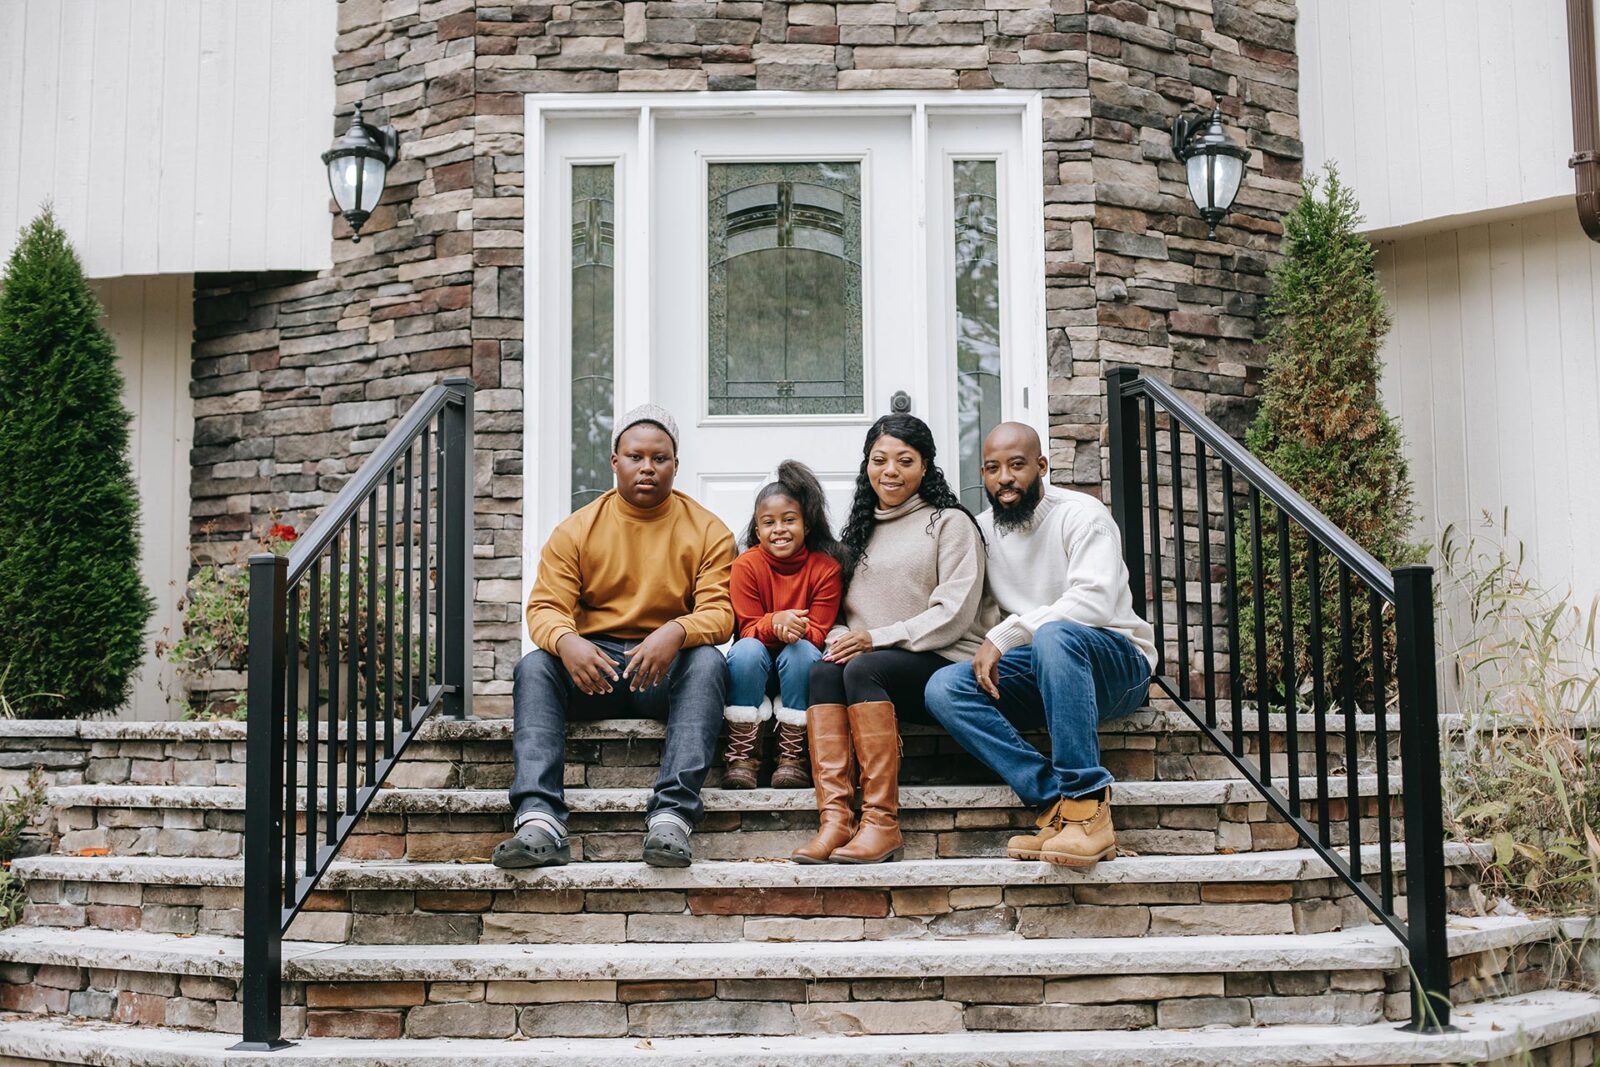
column 783, row 303
column 776, row 269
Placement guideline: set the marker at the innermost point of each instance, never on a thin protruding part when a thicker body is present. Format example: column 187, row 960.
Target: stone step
column 1152, row 744
column 404, row 903
column 689, row 989
column 1176, row 817
column 1556, row 1026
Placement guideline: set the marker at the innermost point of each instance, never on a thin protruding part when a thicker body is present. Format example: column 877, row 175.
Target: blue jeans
column 1071, row 679
column 751, row 666
column 544, row 698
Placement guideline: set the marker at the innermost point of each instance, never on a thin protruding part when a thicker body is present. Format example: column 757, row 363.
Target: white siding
column 152, row 321
column 173, row 136
column 1492, row 371
column 1437, row 108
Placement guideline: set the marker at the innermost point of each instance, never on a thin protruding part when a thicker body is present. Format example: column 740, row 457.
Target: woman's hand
column 848, row 645
column 790, row 626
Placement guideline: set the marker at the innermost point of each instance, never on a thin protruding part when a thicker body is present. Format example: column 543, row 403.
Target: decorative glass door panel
column 784, row 288
column 594, row 246
column 779, row 265
column 976, row 226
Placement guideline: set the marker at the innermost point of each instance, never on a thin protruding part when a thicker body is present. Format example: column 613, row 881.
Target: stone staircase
column 1215, row 938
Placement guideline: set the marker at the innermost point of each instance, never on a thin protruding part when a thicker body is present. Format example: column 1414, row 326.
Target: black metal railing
column 1358, row 637
column 355, row 638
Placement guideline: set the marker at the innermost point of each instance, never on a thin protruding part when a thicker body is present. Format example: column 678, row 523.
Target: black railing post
column 1122, row 424
column 1424, row 817
column 263, row 816
column 455, row 552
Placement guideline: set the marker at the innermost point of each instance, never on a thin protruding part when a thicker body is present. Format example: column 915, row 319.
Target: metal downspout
column 1585, row 161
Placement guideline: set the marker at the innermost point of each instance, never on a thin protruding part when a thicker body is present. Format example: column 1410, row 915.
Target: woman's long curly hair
column 934, row 488
column 797, row 483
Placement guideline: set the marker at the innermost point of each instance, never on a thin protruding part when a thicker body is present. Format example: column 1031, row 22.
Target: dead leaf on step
column 182, row 935
column 644, row 1042
column 94, row 852
column 1496, row 1026
column 517, row 1037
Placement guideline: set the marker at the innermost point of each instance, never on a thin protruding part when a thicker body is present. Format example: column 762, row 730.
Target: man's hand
column 986, row 668
column 590, row 669
column 848, row 645
column 651, row 659
column 790, row 626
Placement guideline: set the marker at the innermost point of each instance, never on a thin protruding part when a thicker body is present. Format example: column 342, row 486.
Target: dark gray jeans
column 689, row 699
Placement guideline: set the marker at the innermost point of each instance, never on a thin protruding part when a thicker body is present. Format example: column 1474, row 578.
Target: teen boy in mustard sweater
column 629, row 606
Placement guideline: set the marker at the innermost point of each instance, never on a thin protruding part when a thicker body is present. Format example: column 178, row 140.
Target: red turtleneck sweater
column 763, row 585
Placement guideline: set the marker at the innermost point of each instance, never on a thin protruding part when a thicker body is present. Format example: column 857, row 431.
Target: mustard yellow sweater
column 611, row 568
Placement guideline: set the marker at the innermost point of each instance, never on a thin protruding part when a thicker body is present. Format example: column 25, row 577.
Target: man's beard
column 1009, row 517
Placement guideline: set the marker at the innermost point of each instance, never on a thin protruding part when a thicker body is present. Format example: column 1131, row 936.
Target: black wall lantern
column 1214, row 163
column 358, row 164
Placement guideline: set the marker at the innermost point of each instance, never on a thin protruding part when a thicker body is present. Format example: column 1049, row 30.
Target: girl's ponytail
column 797, row 482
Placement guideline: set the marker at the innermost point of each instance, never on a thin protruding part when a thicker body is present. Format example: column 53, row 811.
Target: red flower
column 280, row 532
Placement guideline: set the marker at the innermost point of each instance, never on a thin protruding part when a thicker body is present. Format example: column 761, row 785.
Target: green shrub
column 72, row 606
column 1322, row 428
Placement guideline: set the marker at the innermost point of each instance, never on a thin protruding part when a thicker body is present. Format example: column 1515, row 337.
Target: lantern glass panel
column 371, row 182
column 342, row 174
column 1229, row 172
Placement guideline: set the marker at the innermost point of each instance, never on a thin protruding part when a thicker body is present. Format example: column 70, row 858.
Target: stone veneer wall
column 296, row 378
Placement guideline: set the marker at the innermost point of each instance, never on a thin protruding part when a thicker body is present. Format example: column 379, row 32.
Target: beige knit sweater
column 919, row 588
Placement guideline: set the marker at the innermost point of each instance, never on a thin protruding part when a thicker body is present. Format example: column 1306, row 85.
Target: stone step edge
column 1147, row 720
column 1486, row 1031
column 1367, row 948
column 1287, row 865
column 590, row 800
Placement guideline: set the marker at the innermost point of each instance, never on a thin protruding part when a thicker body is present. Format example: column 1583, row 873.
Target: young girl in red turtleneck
column 786, row 590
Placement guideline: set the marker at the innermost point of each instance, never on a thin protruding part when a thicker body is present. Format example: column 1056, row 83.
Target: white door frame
column 545, row 300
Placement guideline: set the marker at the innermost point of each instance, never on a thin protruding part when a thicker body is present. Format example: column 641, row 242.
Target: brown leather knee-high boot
column 833, row 775
column 877, row 745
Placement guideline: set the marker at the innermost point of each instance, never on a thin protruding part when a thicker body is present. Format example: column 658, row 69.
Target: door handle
column 900, row 402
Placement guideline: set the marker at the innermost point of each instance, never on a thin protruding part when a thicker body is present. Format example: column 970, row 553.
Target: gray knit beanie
column 647, row 413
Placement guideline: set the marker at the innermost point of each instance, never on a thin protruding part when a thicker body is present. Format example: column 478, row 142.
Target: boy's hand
column 790, row 626
column 590, row 669
column 651, row 659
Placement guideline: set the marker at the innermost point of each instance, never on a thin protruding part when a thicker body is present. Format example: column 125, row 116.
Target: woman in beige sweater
column 914, row 584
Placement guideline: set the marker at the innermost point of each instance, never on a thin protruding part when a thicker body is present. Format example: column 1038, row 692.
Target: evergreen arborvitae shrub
column 72, row 607
column 1322, row 428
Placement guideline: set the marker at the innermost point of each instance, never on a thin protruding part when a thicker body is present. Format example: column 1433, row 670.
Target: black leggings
column 891, row 674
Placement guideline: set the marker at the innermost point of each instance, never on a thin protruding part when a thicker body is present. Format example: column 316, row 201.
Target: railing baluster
column 1352, row 737
column 1291, row 723
column 1258, row 598
column 291, row 719
column 353, row 669
column 388, row 617
column 424, row 513
column 1319, row 695
column 1380, row 687
column 1153, row 477
column 335, row 572
column 1207, row 636
column 372, row 637
column 455, row 569
column 442, row 541
column 1180, row 574
column 405, row 607
column 1230, row 532
column 313, row 712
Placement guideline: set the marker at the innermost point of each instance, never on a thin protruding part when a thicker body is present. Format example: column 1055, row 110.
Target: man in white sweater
column 1068, row 654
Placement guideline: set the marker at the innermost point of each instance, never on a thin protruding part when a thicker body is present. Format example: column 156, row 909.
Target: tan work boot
column 877, row 744
column 1027, row 846
column 1086, row 836
column 833, row 775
